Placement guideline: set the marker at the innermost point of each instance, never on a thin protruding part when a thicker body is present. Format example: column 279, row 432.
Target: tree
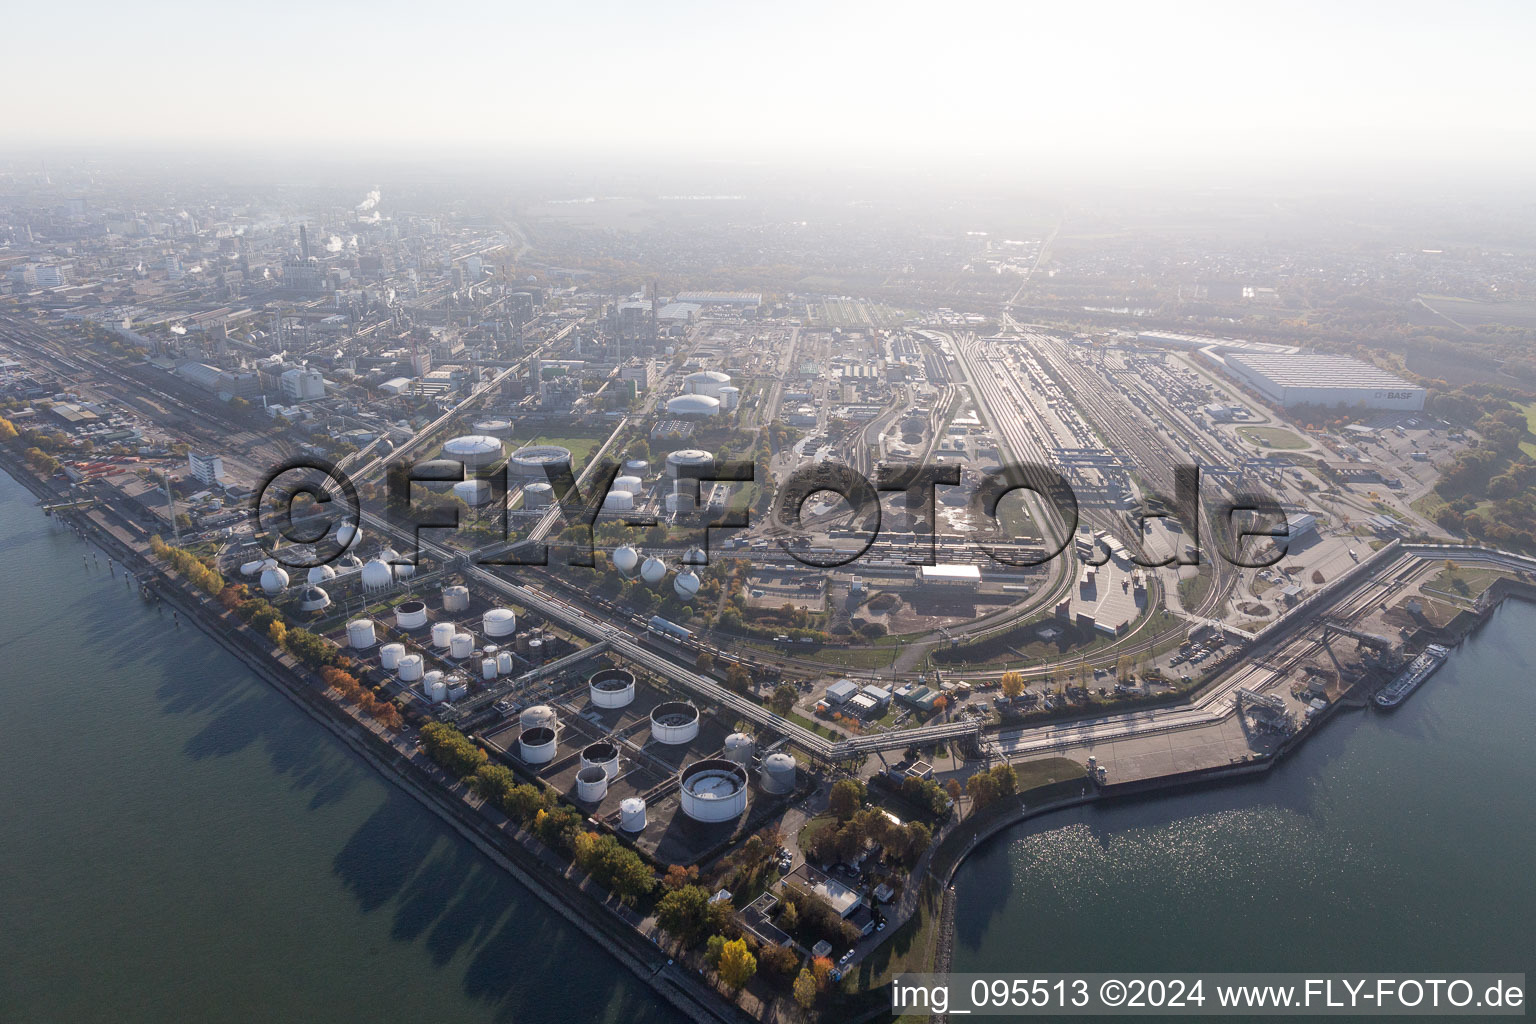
column 278, row 633
column 1013, row 684
column 783, row 700
column 712, row 951
column 737, row 964
column 821, row 970
column 678, row 876
column 846, row 797
column 683, row 912
column 704, row 663
column 805, row 989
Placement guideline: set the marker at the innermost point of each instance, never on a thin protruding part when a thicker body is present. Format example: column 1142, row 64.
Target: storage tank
column 404, row 571
column 320, row 574
column 458, row 685
column 611, row 688
column 632, row 814
column 442, row 634
column 252, row 568
column 474, row 493
column 730, row 398
column 638, row 468
column 498, row 622
column 539, row 716
column 377, row 575
column 274, row 580
column 706, row 382
column 693, row 406
column 435, row 687
column 361, row 634
column 493, row 428
column 504, row 663
column 474, row 450
column 488, row 668
column 674, row 722
column 713, row 790
column 347, row 535
column 461, row 645
column 591, row 785
column 390, row 655
column 618, row 501
column 679, row 462
column 538, row 495
column 653, row 571
column 456, row 599
column 314, row 599
column 604, row 755
column 410, row 667
column 679, row 502
column 537, row 746
column 541, row 462
column 411, row 615
column 778, row 774
column 536, row 651
column 625, row 559
column 738, row 748
column 632, row 484
column 686, row 585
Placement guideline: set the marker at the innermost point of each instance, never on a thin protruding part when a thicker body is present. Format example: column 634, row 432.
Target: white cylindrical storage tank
column 503, row 663
column 538, row 495
column 458, row 685
column 461, row 645
column 679, row 461
column 604, row 755
column 474, row 450
column 539, row 716
column 411, row 615
column 488, row 668
column 537, row 746
column 410, row 667
column 618, row 501
column 714, row 790
column 738, row 748
column 638, row 468
column 693, row 406
column 611, row 688
column 653, row 571
column 493, row 428
column 778, row 774
column 456, row 599
column 679, row 502
column 674, row 722
column 706, row 382
column 625, row 559
column 591, row 785
column 390, row 655
column 320, row 574
column 686, row 585
column 633, row 484
column 536, row 651
column 632, row 814
column 499, row 622
column 730, row 398
column 377, row 575
column 435, row 687
column 474, row 493
column 274, row 580
column 542, row 462
column 442, row 634
column 360, row 634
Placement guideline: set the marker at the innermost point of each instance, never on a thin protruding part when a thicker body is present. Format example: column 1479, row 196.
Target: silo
column 674, row 722
column 435, row 687
column 411, row 615
column 778, row 774
column 390, row 655
column 504, row 663
column 461, row 645
column 487, row 668
column 713, row 790
column 604, row 755
column 537, row 746
column 632, row 814
column 456, row 599
column 539, row 716
column 591, row 784
column 611, row 688
column 499, row 622
column 442, row 635
column 730, row 398
column 410, row 667
column 536, row 651
column 738, row 748
column 360, row 634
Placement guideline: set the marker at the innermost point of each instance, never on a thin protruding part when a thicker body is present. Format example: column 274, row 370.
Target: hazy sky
column 1062, row 83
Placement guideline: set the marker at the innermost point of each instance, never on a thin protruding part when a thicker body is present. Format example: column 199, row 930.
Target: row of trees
column 191, row 568
column 845, row 840
column 345, row 683
column 988, row 787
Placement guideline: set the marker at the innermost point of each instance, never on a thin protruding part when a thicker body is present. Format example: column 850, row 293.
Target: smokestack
column 303, row 242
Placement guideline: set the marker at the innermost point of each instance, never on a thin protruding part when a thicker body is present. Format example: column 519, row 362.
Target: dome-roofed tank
column 632, row 814
column 680, row 461
column 473, row 450
column 539, row 462
column 461, row 645
column 618, row 501
column 686, row 585
column 435, row 687
column 252, row 567
column 361, row 634
column 537, row 495
column 410, row 667
column 539, row 716
column 411, row 614
column 503, row 663
column 611, row 688
column 390, row 655
column 377, row 575
column 633, row 484
column 488, row 668
column 456, row 599
column 313, row 599
column 474, row 493
column 319, row 574
column 537, row 745
column 653, row 571
column 442, row 633
column 713, row 790
column 738, row 748
column 499, row 622
column 638, row 468
column 591, row 784
column 696, row 406
column 274, row 580
column 706, row 382
column 625, row 559
column 778, row 774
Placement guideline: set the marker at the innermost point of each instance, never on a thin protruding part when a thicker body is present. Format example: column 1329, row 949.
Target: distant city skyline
column 1126, row 89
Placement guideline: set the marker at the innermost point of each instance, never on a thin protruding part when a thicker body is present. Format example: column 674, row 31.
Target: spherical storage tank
column 537, row 746
column 252, row 568
column 411, row 614
column 456, row 599
column 409, row 667
column 681, row 460
column 738, row 748
column 604, row 755
column 693, row 406
column 473, row 450
column 625, row 559
column 461, row 646
column 632, row 814
column 591, row 784
column 538, row 495
column 473, row 493
column 442, row 634
column 653, row 571
column 618, row 501
column 539, row 716
column 778, row 775
column 611, row 688
column 499, row 622
column 674, row 722
column 361, row 634
column 320, row 574
column 706, row 382
column 686, row 585
column 314, row 599
column 377, row 575
column 273, row 580
column 404, row 570
column 539, row 462
column 390, row 655
column 714, row 790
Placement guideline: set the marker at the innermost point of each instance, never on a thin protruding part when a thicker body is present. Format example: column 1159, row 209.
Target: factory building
column 1335, row 381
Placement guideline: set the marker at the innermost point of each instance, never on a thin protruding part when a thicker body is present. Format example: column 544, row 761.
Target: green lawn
column 1272, row 437
column 1530, row 424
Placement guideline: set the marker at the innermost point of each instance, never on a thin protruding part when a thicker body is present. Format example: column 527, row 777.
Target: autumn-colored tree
column 278, row 633
column 737, row 964
column 805, row 989
column 678, row 876
column 821, row 970
column 1013, row 684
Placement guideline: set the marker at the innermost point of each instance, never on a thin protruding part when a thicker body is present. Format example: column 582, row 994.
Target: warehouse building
column 1334, row 381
